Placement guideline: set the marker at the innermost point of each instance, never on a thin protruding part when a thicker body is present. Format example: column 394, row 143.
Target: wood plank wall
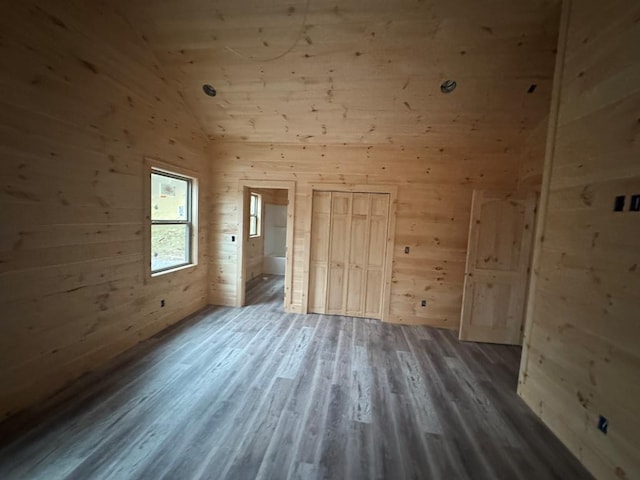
column 581, row 357
column 531, row 166
column 83, row 101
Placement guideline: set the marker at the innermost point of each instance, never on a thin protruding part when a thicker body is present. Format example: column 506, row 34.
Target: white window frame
column 171, row 171
column 258, row 214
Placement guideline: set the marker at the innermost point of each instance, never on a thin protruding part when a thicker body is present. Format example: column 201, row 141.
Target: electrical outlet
column 162, row 303
column 634, row 205
column 233, row 238
column 407, row 249
column 603, row 424
column 424, row 303
column 618, row 204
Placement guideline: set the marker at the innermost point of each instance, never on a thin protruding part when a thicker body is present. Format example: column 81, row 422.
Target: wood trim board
column 544, row 189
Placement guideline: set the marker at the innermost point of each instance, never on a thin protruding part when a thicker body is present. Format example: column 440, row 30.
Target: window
column 172, row 228
column 254, row 215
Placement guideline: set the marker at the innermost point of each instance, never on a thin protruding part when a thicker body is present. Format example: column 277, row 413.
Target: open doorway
column 266, row 243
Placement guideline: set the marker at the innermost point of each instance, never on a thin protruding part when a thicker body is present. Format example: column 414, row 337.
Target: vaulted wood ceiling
column 354, row 71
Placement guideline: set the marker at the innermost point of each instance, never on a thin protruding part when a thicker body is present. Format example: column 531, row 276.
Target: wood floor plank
column 333, row 447
column 360, row 386
column 256, row 393
column 291, row 365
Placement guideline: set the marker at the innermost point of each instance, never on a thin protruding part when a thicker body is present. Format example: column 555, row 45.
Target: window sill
column 157, row 276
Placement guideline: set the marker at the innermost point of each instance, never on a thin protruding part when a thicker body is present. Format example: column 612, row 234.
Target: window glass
column 172, row 233
column 254, row 215
column 169, row 246
column 169, row 197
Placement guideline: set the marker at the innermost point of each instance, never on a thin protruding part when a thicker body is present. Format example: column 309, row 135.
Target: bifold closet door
column 348, row 251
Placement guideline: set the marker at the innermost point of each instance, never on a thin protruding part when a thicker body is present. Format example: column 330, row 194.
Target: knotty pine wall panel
column 530, row 174
column 357, row 75
column 83, row 102
column 581, row 357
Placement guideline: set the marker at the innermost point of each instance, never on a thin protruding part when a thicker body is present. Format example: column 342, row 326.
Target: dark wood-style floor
column 257, row 393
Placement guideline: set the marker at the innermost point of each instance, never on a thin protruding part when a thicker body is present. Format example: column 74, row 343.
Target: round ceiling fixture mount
column 209, row 90
column 448, row 86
